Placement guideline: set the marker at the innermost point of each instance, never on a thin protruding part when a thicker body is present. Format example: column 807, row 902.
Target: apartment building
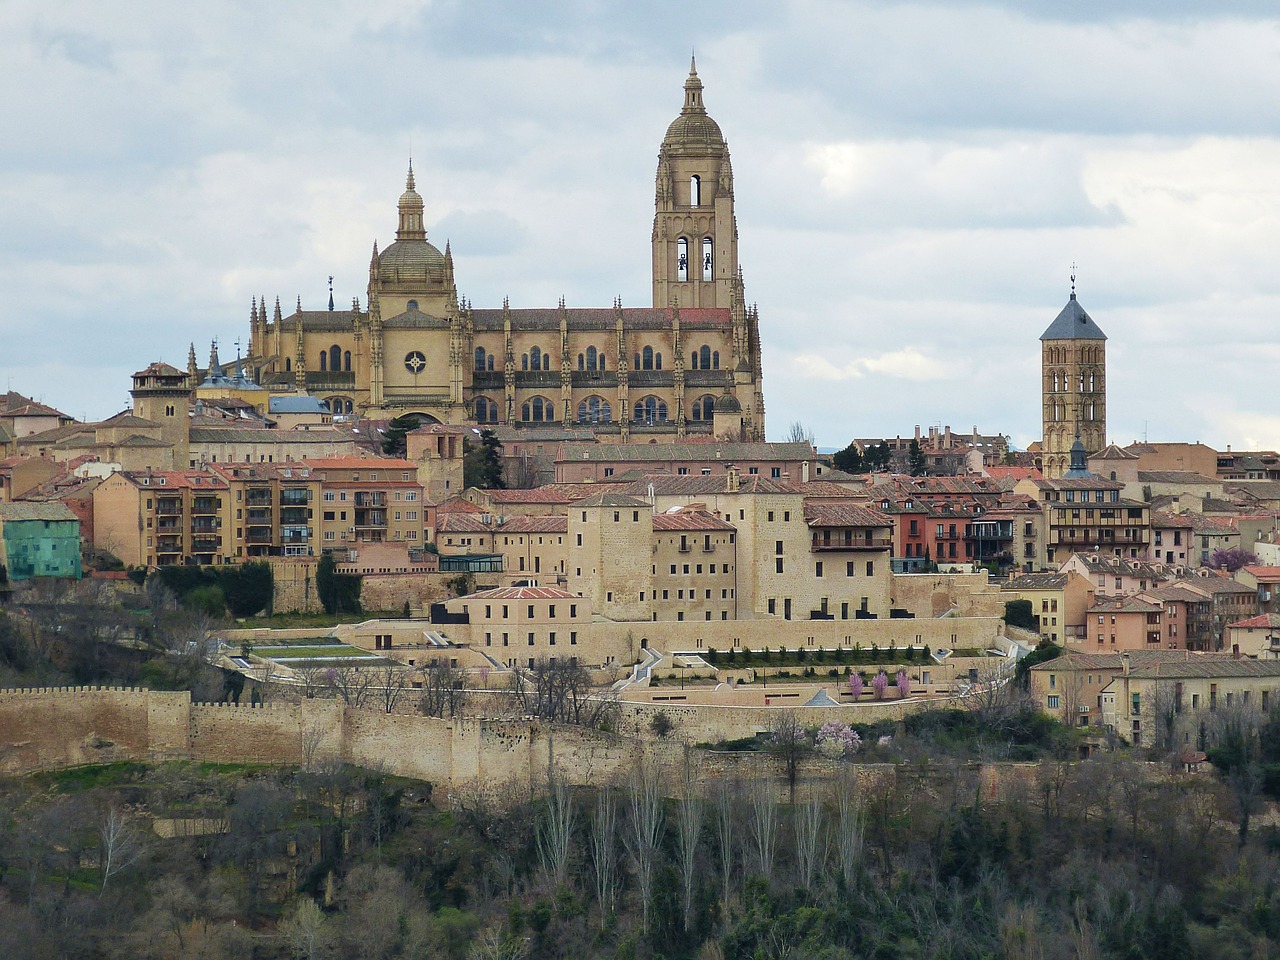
column 157, row 518
column 274, row 509
column 368, row 500
column 695, row 566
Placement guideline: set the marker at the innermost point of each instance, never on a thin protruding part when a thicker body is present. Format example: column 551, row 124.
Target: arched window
column 715, row 359
column 288, row 364
column 695, row 191
column 651, row 410
column 682, row 259
column 324, row 360
column 537, row 410
column 524, row 361
column 335, row 358
column 535, row 359
column 592, row 359
column 486, row 410
column 704, row 408
column 595, row 410
column 708, row 260
column 481, row 358
column 1091, row 381
column 346, row 361
column 582, row 363
column 646, row 358
column 1055, row 381
column 657, row 361
column 1081, row 383
column 704, row 358
column 636, row 364
column 411, row 305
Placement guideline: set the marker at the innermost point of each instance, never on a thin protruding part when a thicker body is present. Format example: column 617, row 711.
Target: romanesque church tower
column 1073, row 360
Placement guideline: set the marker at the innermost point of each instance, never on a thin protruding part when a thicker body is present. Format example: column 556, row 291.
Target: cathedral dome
column 694, row 129
column 413, row 256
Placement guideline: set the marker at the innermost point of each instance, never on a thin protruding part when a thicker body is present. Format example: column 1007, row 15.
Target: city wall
column 509, row 759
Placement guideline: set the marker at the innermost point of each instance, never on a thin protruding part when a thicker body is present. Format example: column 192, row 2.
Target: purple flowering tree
column 836, row 739
column 904, row 684
column 855, row 685
column 880, row 683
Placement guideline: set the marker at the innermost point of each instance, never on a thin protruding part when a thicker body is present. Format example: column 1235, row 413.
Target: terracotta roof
column 552, row 524
column 1174, row 476
column 458, row 504
column 1124, row 605
column 843, row 515
column 177, row 479
column 1264, row 620
column 13, row 404
column 1168, row 518
column 523, row 593
column 1115, row 661
column 460, row 523
column 1207, row 668
column 351, row 463
column 690, row 520
column 727, row 453
column 1261, row 572
column 612, row 500
column 218, row 433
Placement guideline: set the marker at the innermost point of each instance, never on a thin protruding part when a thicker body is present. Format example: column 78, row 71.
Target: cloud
column 906, row 364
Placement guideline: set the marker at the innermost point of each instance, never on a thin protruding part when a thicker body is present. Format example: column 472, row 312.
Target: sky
column 913, row 183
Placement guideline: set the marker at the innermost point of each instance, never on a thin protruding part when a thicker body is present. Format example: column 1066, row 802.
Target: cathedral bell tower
column 695, row 235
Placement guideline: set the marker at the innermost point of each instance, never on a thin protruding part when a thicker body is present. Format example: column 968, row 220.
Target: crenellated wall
column 508, row 759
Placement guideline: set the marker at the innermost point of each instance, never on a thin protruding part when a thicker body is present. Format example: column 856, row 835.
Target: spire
column 277, row 314
column 1073, row 280
column 191, row 364
column 215, row 367
column 412, row 226
column 331, row 294
column 693, row 91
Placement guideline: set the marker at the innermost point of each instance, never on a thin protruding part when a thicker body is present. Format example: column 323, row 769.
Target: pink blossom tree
column 880, row 683
column 855, row 685
column 904, row 684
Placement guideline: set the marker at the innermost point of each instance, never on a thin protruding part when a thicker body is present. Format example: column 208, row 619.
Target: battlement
column 67, row 691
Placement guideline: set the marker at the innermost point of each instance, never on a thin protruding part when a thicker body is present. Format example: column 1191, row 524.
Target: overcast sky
column 913, row 183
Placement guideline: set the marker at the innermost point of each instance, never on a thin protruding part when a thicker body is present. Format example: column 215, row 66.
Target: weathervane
column 1073, row 279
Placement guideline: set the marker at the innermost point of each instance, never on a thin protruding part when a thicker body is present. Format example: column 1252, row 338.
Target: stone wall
column 933, row 594
column 510, row 759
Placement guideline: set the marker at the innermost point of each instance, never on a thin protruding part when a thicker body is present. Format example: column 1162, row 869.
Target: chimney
column 804, row 472
column 732, row 480
column 917, row 431
column 1235, row 651
column 1124, row 663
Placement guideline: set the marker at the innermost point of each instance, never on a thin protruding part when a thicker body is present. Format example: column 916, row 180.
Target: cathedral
column 688, row 365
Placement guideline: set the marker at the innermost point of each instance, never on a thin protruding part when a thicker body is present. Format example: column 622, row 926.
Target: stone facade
column 688, row 365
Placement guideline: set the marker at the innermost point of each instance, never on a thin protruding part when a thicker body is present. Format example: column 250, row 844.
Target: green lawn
column 313, row 652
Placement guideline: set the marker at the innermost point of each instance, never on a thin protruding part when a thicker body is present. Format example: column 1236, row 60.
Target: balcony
column 169, row 508
column 295, row 515
column 258, row 536
column 295, row 497
column 820, row 545
column 206, row 505
column 371, row 499
column 371, row 520
column 204, row 544
column 258, row 517
column 204, row 525
column 258, row 497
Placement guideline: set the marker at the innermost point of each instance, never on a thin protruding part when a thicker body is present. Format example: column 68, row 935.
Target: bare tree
column 309, row 740
column 643, row 836
column 807, row 822
column 763, row 824
column 604, row 854
column 799, row 433
column 689, row 821
column 790, row 743
column 391, row 685
column 555, row 831
column 121, row 843
column 726, row 817
column 444, row 689
column 560, row 689
column 1160, row 710
column 351, row 682
column 1234, row 734
column 311, row 677
column 849, row 825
